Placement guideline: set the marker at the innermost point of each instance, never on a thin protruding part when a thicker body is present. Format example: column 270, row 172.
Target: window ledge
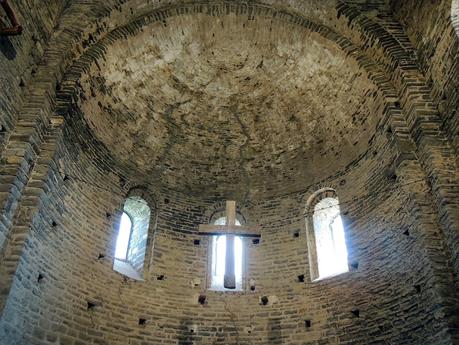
column 320, row 279
column 126, row 269
column 217, row 289
column 226, row 292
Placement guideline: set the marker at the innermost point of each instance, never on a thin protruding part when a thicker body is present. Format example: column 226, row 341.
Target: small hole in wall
column 53, row 224
column 397, row 104
column 264, row 300
column 108, row 215
column 100, row 256
column 406, row 232
column 91, row 305
column 256, row 241
column 122, row 182
column 307, row 323
column 252, row 288
column 65, row 178
column 202, row 299
column 301, row 278
column 296, row 234
column 40, row 277
column 417, row 288
column 161, row 277
column 22, row 83
column 354, row 265
column 142, row 322
column 197, row 242
column 391, row 175
column 355, row 312
column 166, row 200
column 342, row 182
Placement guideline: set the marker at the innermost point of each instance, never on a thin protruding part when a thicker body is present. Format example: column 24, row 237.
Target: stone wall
column 20, row 56
column 62, row 196
column 65, row 291
column 429, row 26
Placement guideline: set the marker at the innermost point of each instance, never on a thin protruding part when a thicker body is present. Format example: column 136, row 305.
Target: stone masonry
column 186, row 104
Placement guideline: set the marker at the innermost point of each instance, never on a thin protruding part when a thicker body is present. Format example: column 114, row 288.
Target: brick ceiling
column 220, row 103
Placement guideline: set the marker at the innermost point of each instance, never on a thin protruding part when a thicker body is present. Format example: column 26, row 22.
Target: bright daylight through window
column 219, row 256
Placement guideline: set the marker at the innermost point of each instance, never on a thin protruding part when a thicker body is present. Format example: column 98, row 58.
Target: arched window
column 219, row 257
column 326, row 238
column 132, row 238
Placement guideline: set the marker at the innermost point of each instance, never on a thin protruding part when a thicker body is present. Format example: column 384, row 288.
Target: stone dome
column 327, row 128
column 211, row 105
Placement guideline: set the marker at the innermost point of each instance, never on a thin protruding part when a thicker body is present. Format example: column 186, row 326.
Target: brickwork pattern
column 62, row 193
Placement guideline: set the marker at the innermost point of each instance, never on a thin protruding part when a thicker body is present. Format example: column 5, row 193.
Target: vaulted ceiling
column 214, row 103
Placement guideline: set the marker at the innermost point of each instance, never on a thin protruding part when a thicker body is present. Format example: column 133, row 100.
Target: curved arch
column 142, row 192
column 82, row 67
column 317, row 196
column 83, row 40
column 220, row 213
column 85, row 47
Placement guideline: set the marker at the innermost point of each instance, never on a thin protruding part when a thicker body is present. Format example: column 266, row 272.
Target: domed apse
column 210, row 105
column 320, row 134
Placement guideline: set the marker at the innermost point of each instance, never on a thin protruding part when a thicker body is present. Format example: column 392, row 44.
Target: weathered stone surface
column 211, row 104
column 349, row 96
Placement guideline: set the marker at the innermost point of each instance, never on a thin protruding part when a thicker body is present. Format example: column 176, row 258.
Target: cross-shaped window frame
column 240, row 287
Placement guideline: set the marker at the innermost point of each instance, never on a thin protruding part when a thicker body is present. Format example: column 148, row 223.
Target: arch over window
column 131, row 243
column 326, row 238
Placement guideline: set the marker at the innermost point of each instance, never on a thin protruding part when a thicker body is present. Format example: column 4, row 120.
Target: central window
column 219, row 258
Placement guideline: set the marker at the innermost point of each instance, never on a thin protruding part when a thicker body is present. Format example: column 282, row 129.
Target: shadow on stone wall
column 274, row 332
column 7, row 48
column 186, row 332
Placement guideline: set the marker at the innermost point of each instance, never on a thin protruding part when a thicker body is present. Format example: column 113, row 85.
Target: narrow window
column 326, row 239
column 219, row 257
column 132, row 238
column 124, row 234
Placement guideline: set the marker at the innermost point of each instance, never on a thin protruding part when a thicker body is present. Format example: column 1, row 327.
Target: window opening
column 124, row 235
column 329, row 238
column 132, row 239
column 219, row 257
